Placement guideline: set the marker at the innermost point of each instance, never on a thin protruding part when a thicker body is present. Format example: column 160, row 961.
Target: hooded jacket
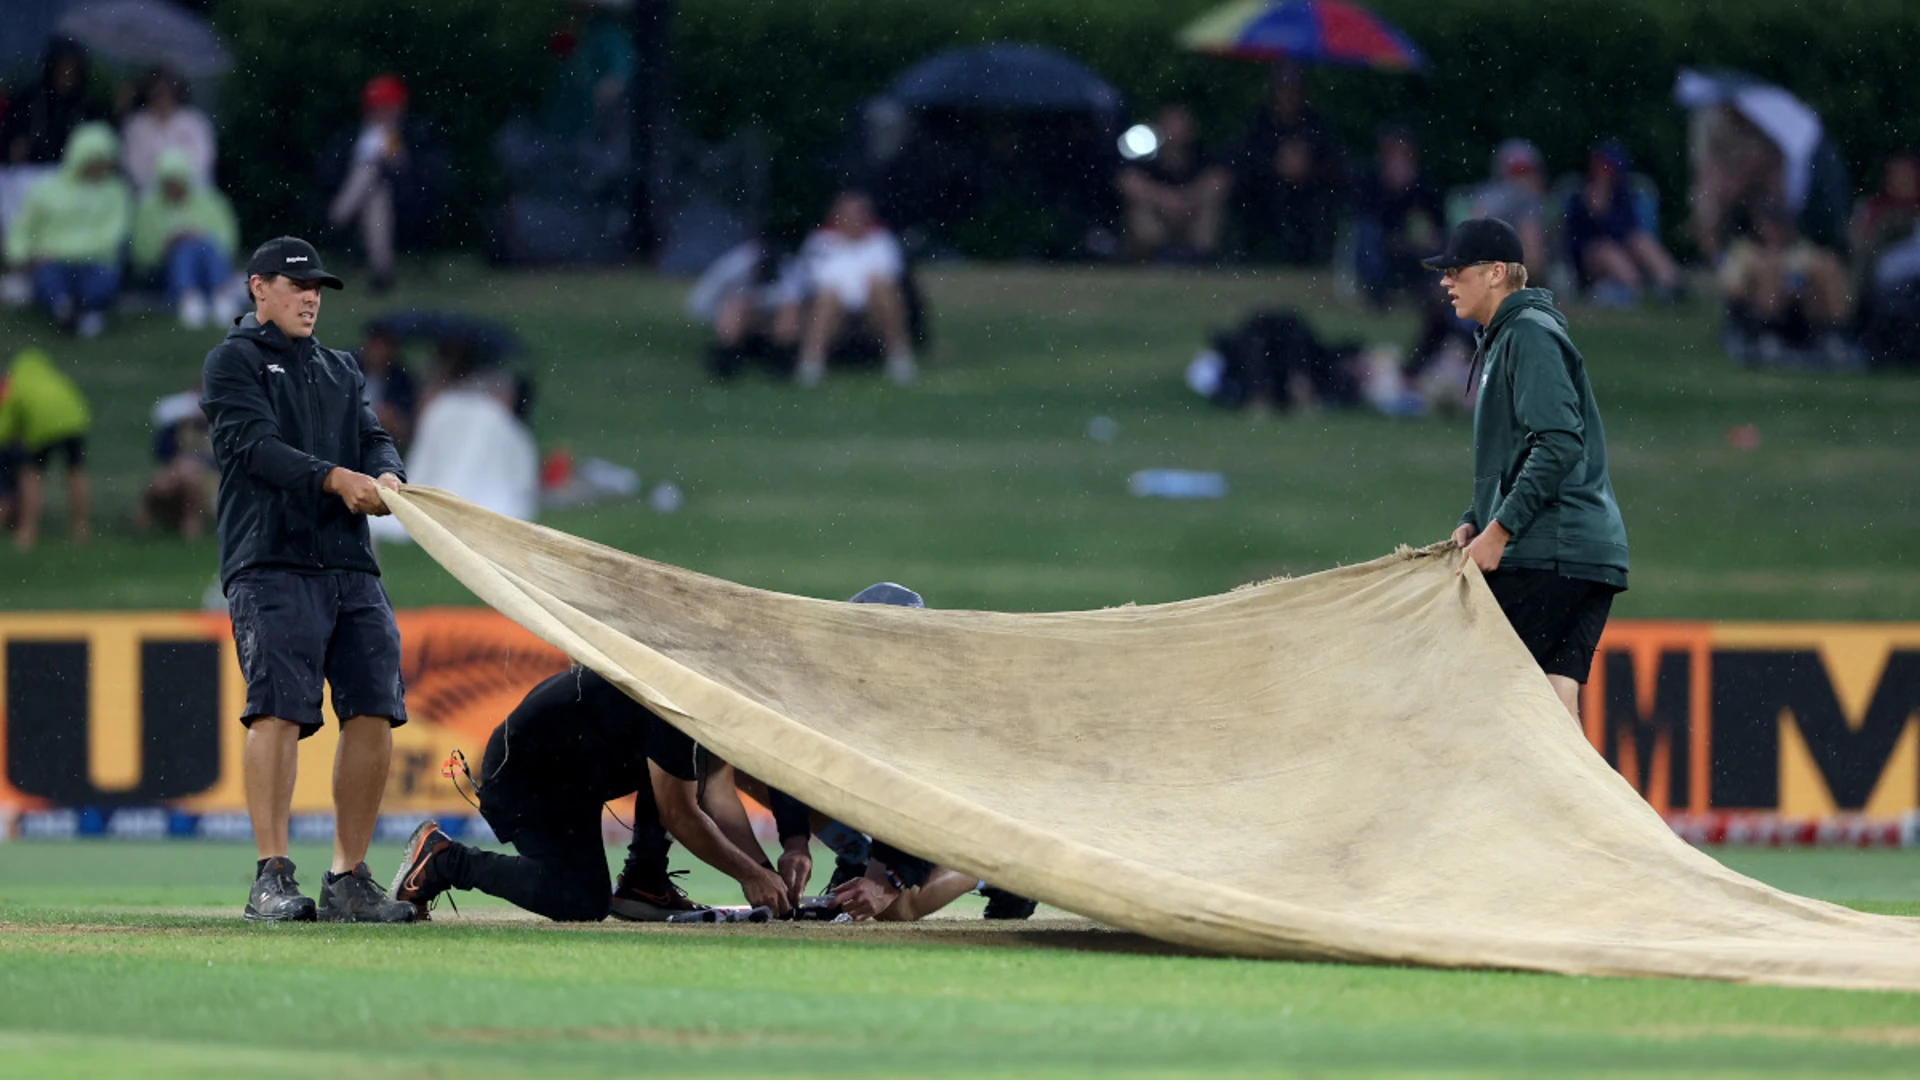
column 38, row 405
column 1539, row 451
column 66, row 218
column 282, row 413
column 203, row 213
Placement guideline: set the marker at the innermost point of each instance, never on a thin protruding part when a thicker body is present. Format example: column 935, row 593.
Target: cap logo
column 296, row 258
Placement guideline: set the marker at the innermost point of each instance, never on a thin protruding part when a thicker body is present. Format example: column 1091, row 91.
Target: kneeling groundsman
column 575, row 743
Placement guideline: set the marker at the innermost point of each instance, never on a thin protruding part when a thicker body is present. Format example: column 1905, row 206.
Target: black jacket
column 282, row 413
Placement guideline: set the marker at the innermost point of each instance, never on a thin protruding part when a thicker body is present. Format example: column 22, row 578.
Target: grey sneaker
column 356, row 897
column 276, row 896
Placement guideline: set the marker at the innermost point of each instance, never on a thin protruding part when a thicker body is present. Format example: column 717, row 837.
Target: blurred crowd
column 111, row 205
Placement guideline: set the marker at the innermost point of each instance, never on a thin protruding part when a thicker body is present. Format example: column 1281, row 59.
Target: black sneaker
column 843, row 872
column 356, row 897
column 651, row 896
column 416, row 882
column 276, row 896
column 1002, row 904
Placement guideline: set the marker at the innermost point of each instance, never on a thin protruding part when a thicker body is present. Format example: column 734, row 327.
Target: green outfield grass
column 128, row 959
column 981, row 488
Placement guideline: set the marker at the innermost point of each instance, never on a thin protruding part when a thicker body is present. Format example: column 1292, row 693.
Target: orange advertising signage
column 1805, row 721
column 1802, row 720
column 112, row 710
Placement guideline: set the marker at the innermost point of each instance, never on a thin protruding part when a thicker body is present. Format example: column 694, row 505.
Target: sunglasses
column 1454, row 271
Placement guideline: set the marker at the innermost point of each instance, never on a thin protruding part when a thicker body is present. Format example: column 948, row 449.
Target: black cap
column 1482, row 240
column 292, row 257
column 886, row 592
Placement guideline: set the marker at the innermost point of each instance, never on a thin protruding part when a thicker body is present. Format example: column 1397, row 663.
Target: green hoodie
column 204, row 213
column 41, row 406
column 65, row 218
column 1539, row 452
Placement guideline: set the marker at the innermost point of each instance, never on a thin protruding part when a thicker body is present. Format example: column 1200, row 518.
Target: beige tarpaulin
column 1363, row 764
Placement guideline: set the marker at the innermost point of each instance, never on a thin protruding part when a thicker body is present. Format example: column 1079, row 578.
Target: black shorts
column 291, row 630
column 75, row 450
column 1558, row 618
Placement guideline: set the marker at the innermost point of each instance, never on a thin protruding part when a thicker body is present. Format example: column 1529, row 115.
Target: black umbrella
column 1005, row 76
column 481, row 339
column 148, row 32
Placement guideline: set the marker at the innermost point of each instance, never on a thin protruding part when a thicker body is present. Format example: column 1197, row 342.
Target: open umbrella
column 1005, row 76
column 484, row 339
column 147, row 32
column 1781, row 117
column 1304, row 31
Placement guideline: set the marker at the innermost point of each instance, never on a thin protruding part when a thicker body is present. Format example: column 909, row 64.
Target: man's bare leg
column 359, row 782
column 269, row 764
column 27, row 528
column 1569, row 693
column 823, row 325
column 79, row 504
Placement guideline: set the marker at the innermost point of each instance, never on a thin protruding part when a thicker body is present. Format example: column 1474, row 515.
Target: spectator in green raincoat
column 43, row 416
column 185, row 232
column 71, row 231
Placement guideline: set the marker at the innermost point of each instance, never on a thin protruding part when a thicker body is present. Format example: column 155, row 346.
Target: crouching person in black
column 575, row 743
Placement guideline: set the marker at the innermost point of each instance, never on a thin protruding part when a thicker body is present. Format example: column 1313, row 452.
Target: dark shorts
column 1558, row 618
column 292, row 630
column 73, row 449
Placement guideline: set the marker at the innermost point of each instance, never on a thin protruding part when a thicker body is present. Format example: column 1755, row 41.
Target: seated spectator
column 1398, row 219
column 40, row 120
column 754, row 304
column 43, row 417
column 1274, row 360
column 472, row 439
column 179, row 498
column 856, row 274
column 72, row 230
column 1788, row 301
column 1611, row 248
column 1890, row 329
column 390, row 386
column 394, row 178
column 1891, row 213
column 185, row 231
column 1291, row 177
column 1175, row 197
column 165, row 121
column 1515, row 194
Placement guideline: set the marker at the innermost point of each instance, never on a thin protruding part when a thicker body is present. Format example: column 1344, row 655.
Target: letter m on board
column 1649, row 741
column 1751, row 688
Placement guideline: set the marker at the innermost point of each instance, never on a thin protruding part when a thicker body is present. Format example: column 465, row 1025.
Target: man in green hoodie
column 71, row 229
column 1543, row 528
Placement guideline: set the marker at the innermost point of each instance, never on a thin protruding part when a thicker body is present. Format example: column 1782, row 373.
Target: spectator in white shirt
column 855, row 268
column 167, row 120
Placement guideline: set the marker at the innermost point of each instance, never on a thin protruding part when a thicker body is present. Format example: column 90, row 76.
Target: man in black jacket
column 299, row 451
column 574, row 743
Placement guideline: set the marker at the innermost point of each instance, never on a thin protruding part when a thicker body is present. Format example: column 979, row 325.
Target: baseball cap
column 886, row 592
column 1482, row 240
column 383, row 92
column 292, row 257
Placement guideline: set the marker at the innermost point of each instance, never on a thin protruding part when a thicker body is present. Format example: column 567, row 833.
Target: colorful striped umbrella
column 1305, row 31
